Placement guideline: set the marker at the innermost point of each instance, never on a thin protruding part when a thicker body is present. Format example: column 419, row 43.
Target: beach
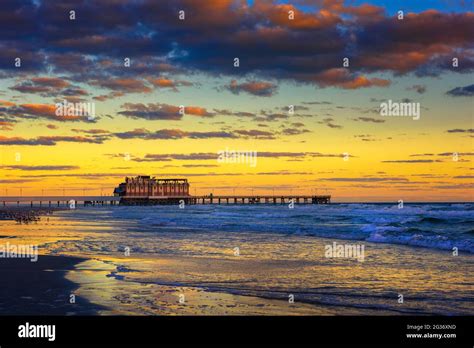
column 37, row 288
column 210, row 261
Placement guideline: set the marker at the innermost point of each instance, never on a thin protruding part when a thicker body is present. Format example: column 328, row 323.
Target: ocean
column 267, row 259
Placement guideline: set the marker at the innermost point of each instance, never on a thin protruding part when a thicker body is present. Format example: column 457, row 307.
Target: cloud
column 271, row 47
column 298, row 124
column 200, row 156
column 40, row 168
column 160, row 111
column 48, row 140
column 443, row 154
column 142, row 133
column 365, row 137
column 467, row 91
column 460, row 130
column 90, row 131
column 226, row 112
column 124, row 85
column 257, row 88
column 50, row 87
column 199, row 165
column 166, row 134
column 418, row 88
column 294, row 131
column 163, row 82
column 38, row 110
column 368, row 119
column 367, row 179
column 255, row 133
column 413, row 161
column 203, row 156
column 317, row 103
column 455, row 187
column 329, row 122
column 342, row 78
column 6, row 125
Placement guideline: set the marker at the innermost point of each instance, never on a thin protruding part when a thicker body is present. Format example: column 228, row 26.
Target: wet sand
column 101, row 283
column 40, row 288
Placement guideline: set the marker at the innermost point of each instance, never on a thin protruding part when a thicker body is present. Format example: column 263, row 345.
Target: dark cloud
column 257, row 88
column 164, row 82
column 226, row 112
column 413, row 161
column 270, row 47
column 368, row 119
column 367, row 179
column 6, row 125
column 329, row 121
column 124, row 85
column 467, row 91
column 203, row 156
column 40, row 168
column 459, row 130
column 49, row 140
column 91, row 131
column 317, row 103
column 145, row 134
column 161, row 111
column 182, row 157
column 443, row 154
column 39, row 111
column 418, row 88
column 49, row 87
column 255, row 133
column 294, row 131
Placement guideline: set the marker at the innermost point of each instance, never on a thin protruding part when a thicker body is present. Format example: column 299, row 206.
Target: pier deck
column 57, row 201
column 230, row 199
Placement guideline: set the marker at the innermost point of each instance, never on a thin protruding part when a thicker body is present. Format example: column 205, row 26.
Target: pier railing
column 229, row 199
column 57, row 201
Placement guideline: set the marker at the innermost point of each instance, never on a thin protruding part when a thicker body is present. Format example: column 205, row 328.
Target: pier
column 57, row 201
column 231, row 199
column 147, row 190
column 63, row 201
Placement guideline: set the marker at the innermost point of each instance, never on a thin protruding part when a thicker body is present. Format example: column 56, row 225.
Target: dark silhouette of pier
column 59, row 201
column 228, row 199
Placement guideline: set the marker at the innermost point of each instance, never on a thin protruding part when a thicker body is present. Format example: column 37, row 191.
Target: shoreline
column 41, row 287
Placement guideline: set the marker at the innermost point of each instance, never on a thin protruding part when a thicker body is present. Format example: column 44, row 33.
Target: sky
column 306, row 94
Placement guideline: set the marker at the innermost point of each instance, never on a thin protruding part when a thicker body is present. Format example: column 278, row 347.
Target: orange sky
column 138, row 128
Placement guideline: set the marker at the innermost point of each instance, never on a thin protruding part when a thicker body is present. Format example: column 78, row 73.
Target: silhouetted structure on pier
column 145, row 186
